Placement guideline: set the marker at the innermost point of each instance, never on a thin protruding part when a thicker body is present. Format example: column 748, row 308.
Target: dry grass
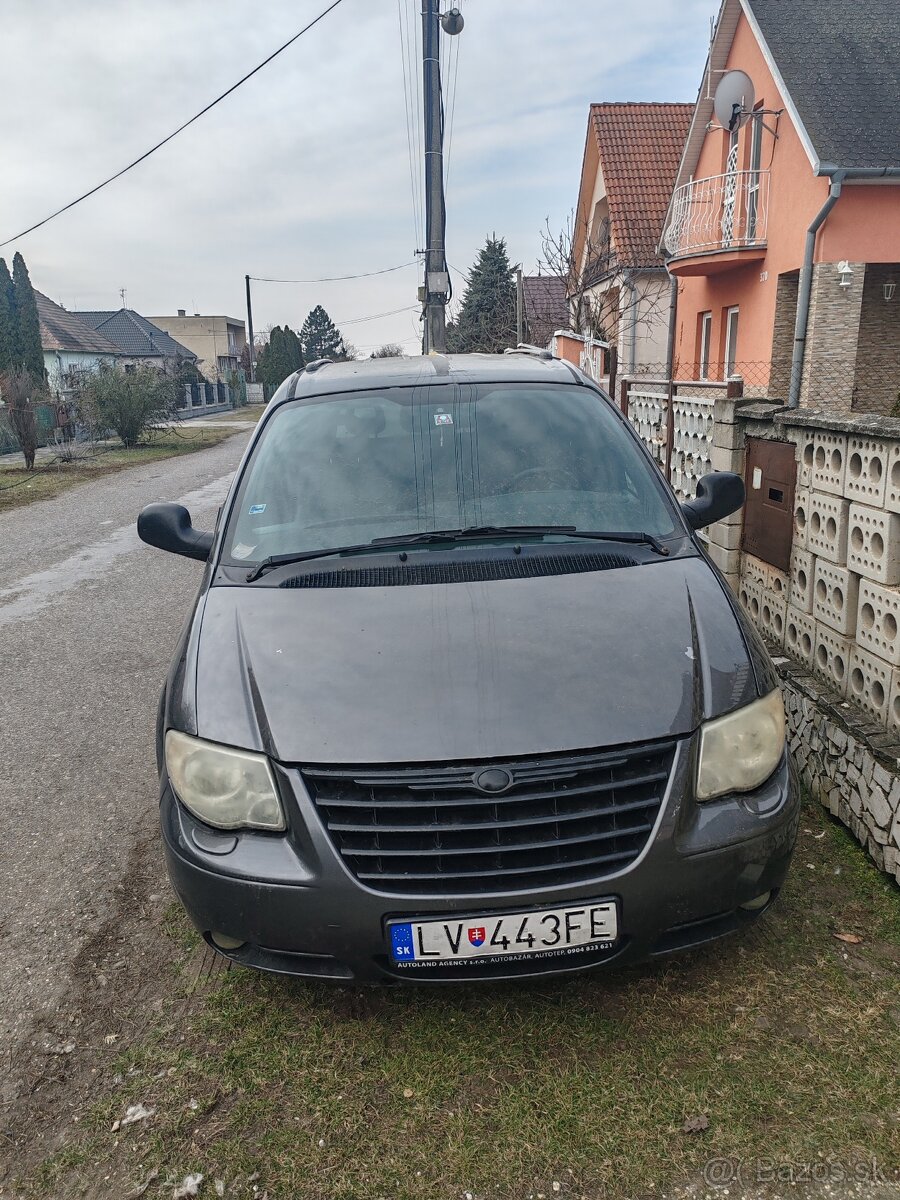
column 787, row 1040
column 18, row 486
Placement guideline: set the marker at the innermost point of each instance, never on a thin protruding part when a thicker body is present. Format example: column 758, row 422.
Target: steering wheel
column 556, row 478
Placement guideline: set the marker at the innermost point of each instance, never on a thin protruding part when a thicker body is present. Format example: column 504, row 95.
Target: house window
column 705, row 340
column 731, row 334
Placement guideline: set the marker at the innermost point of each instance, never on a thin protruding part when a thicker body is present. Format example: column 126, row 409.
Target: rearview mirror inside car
column 168, row 527
column 719, row 494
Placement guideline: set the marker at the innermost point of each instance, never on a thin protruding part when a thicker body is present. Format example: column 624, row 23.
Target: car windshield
column 343, row 470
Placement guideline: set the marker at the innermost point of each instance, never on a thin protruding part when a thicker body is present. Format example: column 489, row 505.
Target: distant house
column 546, row 307
column 620, row 282
column 217, row 342
column 70, row 345
column 138, row 340
column 783, row 228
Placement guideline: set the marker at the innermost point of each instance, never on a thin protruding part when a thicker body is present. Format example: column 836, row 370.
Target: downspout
column 805, row 289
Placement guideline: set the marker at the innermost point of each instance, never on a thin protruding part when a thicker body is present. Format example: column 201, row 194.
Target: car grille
column 431, row 830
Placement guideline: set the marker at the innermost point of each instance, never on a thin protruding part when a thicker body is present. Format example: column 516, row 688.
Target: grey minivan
column 461, row 695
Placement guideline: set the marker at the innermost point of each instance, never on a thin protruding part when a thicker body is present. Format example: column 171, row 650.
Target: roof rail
column 533, row 351
column 318, row 364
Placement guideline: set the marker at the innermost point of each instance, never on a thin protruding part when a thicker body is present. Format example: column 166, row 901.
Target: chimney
column 182, row 313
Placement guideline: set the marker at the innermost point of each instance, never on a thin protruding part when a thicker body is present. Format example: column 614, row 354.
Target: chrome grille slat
column 445, row 851
column 379, row 827
column 564, row 818
column 473, row 797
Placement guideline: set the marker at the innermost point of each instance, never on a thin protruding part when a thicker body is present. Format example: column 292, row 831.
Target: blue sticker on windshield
column 255, row 509
column 442, row 418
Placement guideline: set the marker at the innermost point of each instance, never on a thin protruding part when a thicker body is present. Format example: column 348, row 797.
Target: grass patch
column 787, row 1040
column 19, row 487
column 250, row 412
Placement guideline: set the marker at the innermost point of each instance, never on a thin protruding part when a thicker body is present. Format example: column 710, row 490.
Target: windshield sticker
column 442, row 418
column 242, row 551
column 255, row 509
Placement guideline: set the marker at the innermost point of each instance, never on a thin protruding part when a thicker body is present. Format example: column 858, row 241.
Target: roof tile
column 63, row 330
column 640, row 147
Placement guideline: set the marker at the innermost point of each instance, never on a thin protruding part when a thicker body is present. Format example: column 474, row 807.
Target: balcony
column 718, row 223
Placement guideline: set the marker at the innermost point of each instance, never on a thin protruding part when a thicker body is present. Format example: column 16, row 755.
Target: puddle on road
column 32, row 593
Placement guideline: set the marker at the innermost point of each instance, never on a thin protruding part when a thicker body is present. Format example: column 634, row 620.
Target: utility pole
column 520, row 307
column 437, row 278
column 250, row 332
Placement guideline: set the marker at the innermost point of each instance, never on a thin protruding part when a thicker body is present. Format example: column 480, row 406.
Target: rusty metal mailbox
column 771, row 478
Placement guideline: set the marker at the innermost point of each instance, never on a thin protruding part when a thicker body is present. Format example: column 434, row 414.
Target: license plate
column 545, row 933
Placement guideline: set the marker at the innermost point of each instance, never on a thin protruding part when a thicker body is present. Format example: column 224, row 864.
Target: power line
column 336, row 278
column 180, row 129
column 377, row 316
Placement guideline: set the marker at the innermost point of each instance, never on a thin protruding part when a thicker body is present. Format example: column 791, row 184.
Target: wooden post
column 613, row 357
column 623, row 396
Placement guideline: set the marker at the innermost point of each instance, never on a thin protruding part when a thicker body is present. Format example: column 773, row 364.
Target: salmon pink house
column 783, row 229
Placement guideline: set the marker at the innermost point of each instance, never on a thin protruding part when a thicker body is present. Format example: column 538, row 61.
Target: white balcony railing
column 721, row 212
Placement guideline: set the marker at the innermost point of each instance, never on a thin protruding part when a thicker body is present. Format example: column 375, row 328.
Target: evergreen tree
column 487, row 317
column 7, row 318
column 27, row 347
column 279, row 358
column 321, row 338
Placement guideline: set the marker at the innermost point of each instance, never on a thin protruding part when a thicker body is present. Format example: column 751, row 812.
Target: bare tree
column 605, row 292
column 388, row 350
column 19, row 390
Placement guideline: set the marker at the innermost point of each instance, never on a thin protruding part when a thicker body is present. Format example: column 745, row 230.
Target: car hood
column 469, row 670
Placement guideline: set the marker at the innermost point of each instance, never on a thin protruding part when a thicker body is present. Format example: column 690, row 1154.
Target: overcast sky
column 304, row 171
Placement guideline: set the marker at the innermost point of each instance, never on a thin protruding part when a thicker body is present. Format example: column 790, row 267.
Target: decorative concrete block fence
column 833, row 620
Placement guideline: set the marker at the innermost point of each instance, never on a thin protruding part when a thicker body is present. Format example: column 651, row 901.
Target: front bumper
column 297, row 910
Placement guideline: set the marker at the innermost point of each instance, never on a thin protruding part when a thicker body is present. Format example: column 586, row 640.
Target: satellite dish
column 735, row 97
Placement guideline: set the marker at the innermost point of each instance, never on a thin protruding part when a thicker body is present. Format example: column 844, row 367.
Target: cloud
column 304, row 171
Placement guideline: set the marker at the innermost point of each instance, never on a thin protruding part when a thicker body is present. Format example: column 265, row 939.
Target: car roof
column 520, row 367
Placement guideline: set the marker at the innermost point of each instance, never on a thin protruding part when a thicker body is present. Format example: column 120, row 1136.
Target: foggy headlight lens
column 231, row 789
column 738, row 752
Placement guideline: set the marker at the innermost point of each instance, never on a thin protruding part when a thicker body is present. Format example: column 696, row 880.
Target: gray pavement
column 88, row 620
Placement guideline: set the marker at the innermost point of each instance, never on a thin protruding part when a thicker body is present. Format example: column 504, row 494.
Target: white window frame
column 705, row 343
column 732, row 318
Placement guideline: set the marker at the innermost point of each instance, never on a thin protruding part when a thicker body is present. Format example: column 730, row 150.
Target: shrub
column 128, row 402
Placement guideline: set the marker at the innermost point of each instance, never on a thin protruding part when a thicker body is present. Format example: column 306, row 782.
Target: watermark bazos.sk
column 722, row 1172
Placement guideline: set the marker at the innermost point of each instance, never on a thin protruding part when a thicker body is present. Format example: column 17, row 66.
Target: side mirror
column 719, row 494
column 168, row 527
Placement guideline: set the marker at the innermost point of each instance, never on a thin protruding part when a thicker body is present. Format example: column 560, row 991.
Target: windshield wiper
column 284, row 560
column 474, row 532
column 487, row 531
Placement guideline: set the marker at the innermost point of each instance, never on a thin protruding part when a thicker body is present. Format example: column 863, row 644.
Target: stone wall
column 835, row 617
column 876, row 386
column 848, row 763
column 831, row 338
column 786, row 291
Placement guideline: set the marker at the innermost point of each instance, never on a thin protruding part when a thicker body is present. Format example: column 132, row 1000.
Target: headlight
column 230, row 789
column 740, row 751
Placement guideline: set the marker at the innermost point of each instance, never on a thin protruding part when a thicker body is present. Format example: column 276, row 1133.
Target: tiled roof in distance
column 63, row 330
column 135, row 335
column 640, row 148
column 546, row 307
